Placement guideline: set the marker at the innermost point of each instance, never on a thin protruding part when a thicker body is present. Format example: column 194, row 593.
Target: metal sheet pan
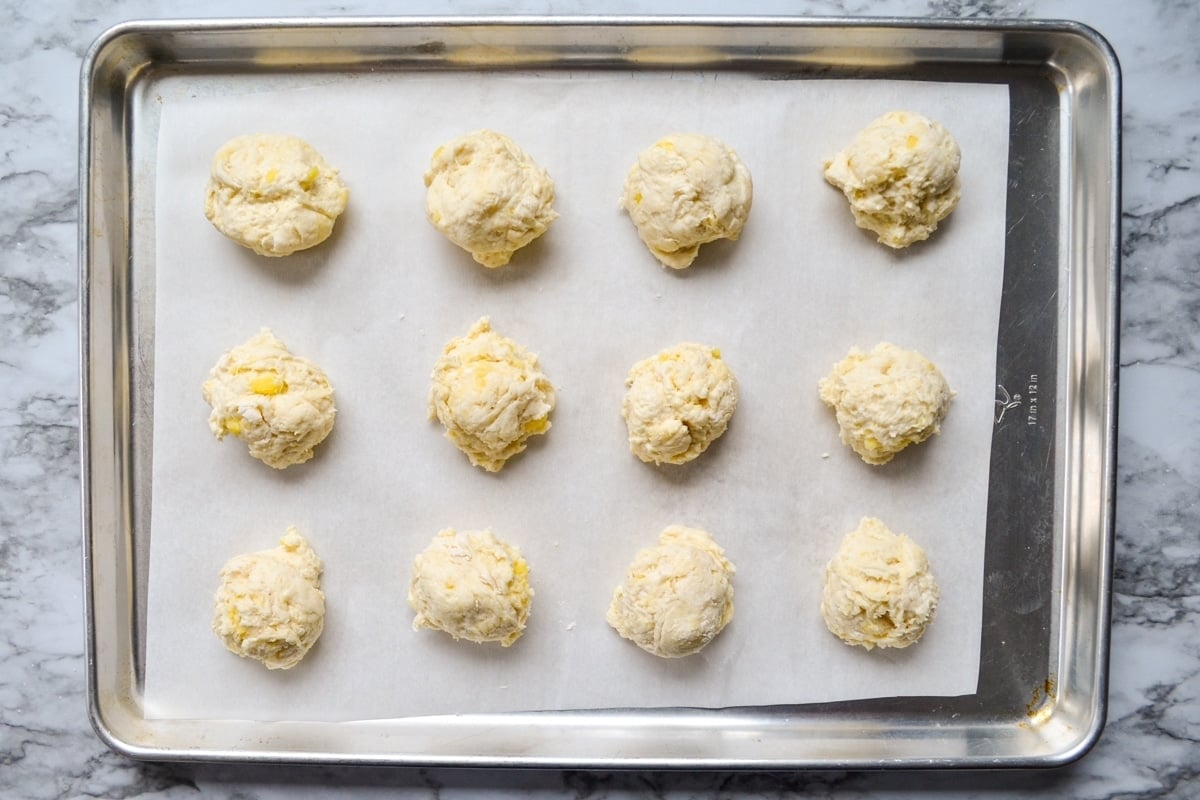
column 1042, row 683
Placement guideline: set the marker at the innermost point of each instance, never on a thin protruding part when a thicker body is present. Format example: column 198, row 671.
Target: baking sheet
column 374, row 305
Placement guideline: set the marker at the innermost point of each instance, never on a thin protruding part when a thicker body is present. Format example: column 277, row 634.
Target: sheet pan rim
column 114, row 732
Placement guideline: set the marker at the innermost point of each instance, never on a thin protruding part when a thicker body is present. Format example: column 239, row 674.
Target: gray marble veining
column 1151, row 747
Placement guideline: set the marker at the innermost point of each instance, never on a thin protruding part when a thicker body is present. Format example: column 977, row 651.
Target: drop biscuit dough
column 677, row 596
column 686, row 190
column 471, row 585
column 490, row 395
column 885, row 400
column 900, row 174
column 269, row 605
column 879, row 591
column 678, row 402
column 279, row 404
column 274, row 194
column 485, row 194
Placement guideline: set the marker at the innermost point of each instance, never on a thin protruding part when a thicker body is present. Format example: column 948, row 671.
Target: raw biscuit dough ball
column 900, row 175
column 686, row 190
column 488, row 196
column 269, row 606
column 677, row 595
column 273, row 194
column 879, row 591
column 473, row 586
column 279, row 404
column 490, row 395
column 885, row 400
column 678, row 402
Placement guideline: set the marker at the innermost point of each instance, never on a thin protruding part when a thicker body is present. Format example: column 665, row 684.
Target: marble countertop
column 1151, row 746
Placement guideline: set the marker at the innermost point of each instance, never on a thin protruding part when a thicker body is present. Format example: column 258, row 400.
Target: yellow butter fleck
column 233, row 426
column 272, row 175
column 537, row 425
column 268, row 385
column 911, row 141
column 310, row 178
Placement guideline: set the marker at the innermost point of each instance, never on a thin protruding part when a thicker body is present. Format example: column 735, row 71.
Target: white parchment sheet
column 375, row 304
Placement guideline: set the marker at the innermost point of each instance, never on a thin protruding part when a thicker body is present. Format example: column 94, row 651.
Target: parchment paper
column 375, row 304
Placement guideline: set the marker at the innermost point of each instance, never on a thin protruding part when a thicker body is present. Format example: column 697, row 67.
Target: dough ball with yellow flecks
column 490, row 395
column 472, row 585
column 279, row 404
column 269, row 605
column 886, row 400
column 686, row 190
column 677, row 596
column 274, row 194
column 678, row 402
column 879, row 591
column 488, row 196
column 900, row 175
